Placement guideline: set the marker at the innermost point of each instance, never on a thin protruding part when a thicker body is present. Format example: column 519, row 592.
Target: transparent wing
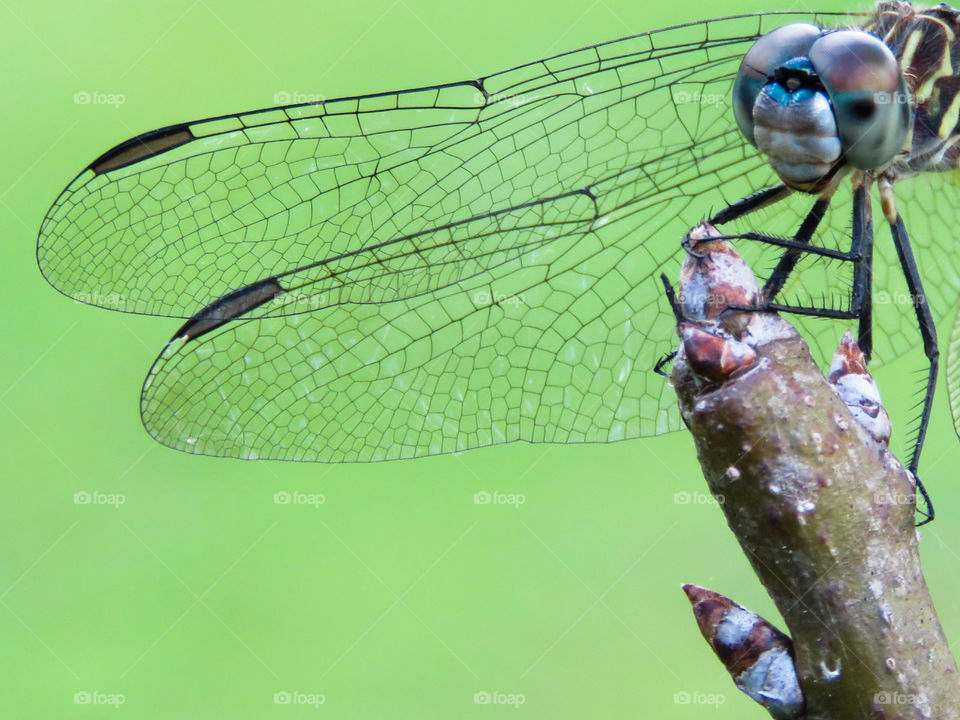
column 464, row 265
column 953, row 372
column 169, row 221
column 929, row 204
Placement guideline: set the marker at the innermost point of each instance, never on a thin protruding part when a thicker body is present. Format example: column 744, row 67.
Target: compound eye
column 868, row 93
column 767, row 54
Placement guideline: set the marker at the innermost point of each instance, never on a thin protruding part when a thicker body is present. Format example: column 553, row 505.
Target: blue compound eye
column 868, row 93
column 773, row 50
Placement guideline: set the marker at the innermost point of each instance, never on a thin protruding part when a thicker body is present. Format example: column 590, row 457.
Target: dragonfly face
column 813, row 101
column 444, row 268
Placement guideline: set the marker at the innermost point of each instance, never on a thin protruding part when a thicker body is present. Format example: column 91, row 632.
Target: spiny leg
column 678, row 316
column 747, row 205
column 861, row 300
column 800, row 245
column 663, row 362
column 790, row 258
column 928, row 330
column 672, row 298
column 861, row 255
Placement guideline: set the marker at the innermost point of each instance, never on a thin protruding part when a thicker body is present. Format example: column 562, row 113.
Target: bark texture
column 825, row 514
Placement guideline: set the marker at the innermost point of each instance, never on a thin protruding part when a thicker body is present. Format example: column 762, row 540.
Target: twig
column 822, row 508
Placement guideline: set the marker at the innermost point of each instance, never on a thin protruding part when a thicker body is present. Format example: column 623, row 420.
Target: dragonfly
column 432, row 270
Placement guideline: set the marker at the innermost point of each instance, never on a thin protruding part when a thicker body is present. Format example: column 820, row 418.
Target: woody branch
column 815, row 499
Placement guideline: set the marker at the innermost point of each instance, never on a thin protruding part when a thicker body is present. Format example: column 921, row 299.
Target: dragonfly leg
column 672, row 298
column 860, row 254
column 861, row 301
column 791, row 257
column 928, row 330
column 750, row 203
column 677, row 314
column 662, row 362
column 800, row 244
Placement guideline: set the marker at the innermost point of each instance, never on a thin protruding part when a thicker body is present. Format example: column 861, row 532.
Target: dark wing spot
column 229, row 307
column 142, row 146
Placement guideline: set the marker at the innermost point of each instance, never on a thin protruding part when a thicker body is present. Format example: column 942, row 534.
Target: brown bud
column 848, row 359
column 856, row 387
column 713, row 276
column 758, row 656
column 713, row 356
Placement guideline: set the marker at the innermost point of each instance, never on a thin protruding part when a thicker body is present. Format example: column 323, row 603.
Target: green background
column 398, row 597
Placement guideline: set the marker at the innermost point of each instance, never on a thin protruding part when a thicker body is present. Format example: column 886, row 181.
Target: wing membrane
column 170, row 221
column 928, row 204
column 547, row 353
column 463, row 265
column 953, row 372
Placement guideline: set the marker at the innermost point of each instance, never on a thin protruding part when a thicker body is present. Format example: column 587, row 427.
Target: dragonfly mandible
column 438, row 269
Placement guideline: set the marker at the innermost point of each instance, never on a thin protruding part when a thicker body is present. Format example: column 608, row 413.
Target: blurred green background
column 398, row 597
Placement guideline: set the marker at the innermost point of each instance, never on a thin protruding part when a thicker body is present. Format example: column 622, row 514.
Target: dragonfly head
column 815, row 100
